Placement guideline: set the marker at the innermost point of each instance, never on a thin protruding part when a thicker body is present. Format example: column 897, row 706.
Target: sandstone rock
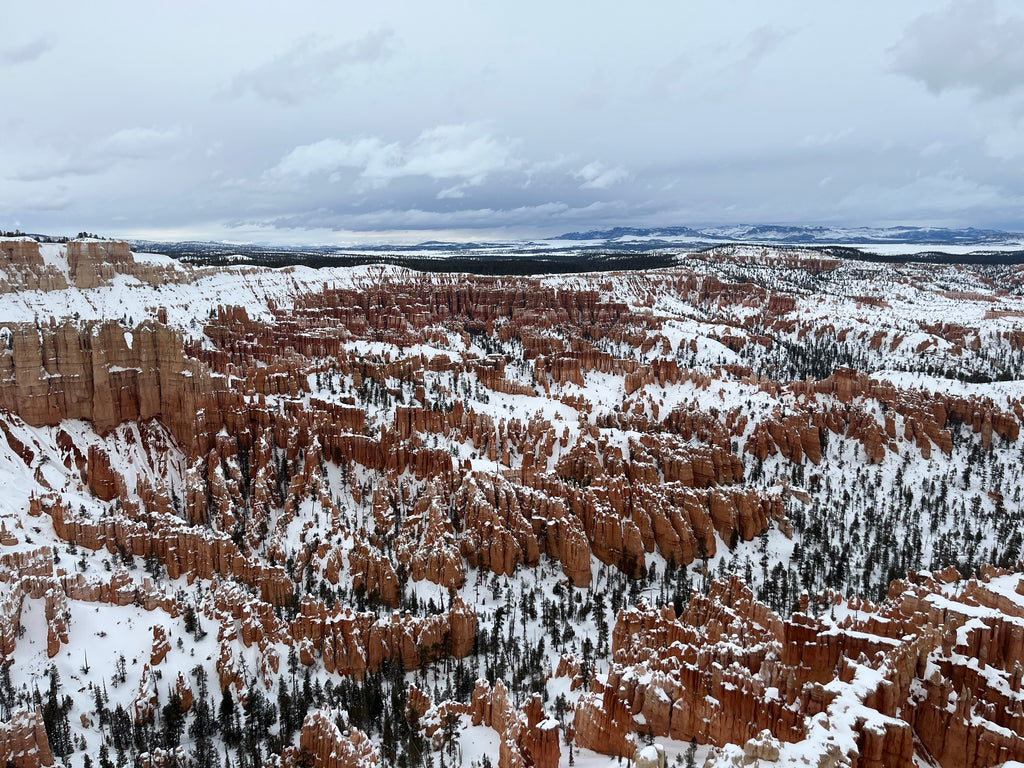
column 161, row 646
column 650, row 756
column 102, row 479
column 334, row 746
column 372, row 571
column 23, row 741
column 92, row 263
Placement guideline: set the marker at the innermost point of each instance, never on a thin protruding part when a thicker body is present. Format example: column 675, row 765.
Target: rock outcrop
column 528, row 736
column 23, row 742
column 330, row 743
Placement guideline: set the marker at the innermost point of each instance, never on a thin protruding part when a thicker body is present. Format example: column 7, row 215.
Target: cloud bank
column 295, row 122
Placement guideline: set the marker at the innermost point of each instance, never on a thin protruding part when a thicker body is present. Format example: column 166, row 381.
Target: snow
column 904, row 249
column 477, row 743
column 675, row 750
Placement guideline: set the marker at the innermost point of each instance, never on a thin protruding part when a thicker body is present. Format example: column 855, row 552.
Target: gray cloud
column 729, row 59
column 310, row 68
column 324, row 118
column 943, row 192
column 125, row 144
column 465, row 153
column 46, row 203
column 596, row 175
column 968, row 44
column 26, row 53
column 551, row 213
column 136, row 143
column 761, row 43
column 667, row 76
column 58, row 166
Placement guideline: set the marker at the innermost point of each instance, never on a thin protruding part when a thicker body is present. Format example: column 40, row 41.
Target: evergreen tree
column 55, row 718
column 174, row 720
column 120, row 729
column 227, row 718
column 691, row 754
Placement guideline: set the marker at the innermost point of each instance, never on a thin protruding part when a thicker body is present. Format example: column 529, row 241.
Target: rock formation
column 729, row 670
column 23, row 741
column 331, row 745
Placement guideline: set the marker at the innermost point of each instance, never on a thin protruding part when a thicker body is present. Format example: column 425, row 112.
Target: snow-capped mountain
column 798, row 235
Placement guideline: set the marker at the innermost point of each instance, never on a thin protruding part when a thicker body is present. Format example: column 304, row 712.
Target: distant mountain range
column 794, row 235
column 618, row 248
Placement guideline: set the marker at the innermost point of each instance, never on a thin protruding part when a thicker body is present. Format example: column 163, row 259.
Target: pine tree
column 6, row 693
column 227, row 718
column 120, row 729
column 203, row 725
column 691, row 754
column 286, row 713
column 174, row 720
column 55, row 718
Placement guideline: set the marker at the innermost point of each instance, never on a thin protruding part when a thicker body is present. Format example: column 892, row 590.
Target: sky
column 344, row 123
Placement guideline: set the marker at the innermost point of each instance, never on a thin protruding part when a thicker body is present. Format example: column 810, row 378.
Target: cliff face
column 26, row 265
column 109, row 376
column 92, row 263
column 352, row 643
column 24, row 268
column 332, row 747
column 526, row 736
column 105, row 374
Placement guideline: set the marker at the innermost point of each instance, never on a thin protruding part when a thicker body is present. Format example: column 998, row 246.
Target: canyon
column 764, row 500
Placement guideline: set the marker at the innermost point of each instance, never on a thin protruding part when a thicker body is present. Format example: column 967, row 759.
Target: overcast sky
column 339, row 122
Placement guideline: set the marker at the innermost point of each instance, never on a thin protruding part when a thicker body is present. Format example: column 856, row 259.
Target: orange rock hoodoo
column 23, row 741
column 729, row 668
